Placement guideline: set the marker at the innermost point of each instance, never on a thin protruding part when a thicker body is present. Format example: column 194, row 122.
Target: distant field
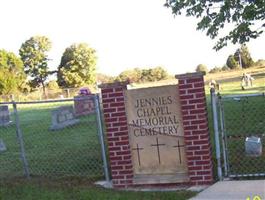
column 230, row 81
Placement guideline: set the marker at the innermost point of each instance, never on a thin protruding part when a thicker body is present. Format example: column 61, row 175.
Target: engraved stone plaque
column 156, row 135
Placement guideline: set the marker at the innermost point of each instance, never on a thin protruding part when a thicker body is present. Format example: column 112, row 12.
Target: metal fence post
column 101, row 137
column 216, row 133
column 222, row 125
column 21, row 142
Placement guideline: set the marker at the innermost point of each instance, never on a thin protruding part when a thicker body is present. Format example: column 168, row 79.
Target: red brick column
column 117, row 134
column 196, row 131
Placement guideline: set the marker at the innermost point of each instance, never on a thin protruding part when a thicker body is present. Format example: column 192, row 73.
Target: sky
column 125, row 33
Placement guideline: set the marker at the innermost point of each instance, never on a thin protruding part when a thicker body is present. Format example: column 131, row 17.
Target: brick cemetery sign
column 84, row 102
column 2, row 146
column 156, row 135
column 62, row 117
column 4, row 115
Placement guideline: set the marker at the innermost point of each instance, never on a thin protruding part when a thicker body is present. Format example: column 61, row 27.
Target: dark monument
column 84, row 102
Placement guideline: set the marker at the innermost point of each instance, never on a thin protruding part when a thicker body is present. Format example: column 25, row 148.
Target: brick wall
column 117, row 134
column 195, row 124
column 196, row 131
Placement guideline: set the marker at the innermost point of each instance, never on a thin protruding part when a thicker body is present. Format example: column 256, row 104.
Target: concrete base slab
column 198, row 188
column 104, row 184
column 233, row 190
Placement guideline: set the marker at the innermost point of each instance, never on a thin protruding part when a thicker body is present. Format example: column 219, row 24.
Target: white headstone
column 253, row 146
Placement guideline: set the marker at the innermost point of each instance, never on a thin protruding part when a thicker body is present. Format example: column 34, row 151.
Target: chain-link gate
column 56, row 138
column 240, row 128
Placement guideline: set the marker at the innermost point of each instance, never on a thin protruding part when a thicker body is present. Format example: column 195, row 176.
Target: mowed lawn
column 72, row 151
column 63, row 164
column 69, row 153
column 34, row 191
column 243, row 117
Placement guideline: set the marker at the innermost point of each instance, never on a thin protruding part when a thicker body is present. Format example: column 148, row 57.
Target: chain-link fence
column 242, row 131
column 59, row 138
column 39, row 95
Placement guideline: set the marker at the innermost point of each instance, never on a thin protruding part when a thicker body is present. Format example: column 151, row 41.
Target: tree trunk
column 44, row 90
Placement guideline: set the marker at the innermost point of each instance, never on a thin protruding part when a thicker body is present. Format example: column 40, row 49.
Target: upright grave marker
column 2, row 146
column 4, row 115
column 62, row 117
column 84, row 102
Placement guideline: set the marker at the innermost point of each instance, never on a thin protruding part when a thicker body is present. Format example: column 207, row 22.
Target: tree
column 52, row 85
column 103, row 78
column 202, row 68
column 12, row 76
column 231, row 62
column 137, row 75
column 215, row 70
column 77, row 67
column 243, row 56
column 33, row 53
column 247, row 16
column 158, row 73
column 133, row 75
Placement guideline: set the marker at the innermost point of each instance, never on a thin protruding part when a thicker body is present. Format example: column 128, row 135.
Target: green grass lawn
column 51, row 191
column 72, row 151
column 243, row 117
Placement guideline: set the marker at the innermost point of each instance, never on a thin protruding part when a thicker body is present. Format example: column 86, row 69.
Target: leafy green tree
column 243, row 56
column 202, row 68
column 134, row 75
column 52, row 85
column 77, row 67
column 33, row 53
column 215, row 70
column 158, row 73
column 247, row 16
column 225, row 68
column 103, row 78
column 12, row 76
column 137, row 75
column 231, row 62
column 260, row 63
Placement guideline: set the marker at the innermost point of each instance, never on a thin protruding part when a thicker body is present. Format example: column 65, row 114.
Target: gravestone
column 4, row 115
column 2, row 146
column 84, row 102
column 84, row 105
column 156, row 135
column 253, row 146
column 62, row 117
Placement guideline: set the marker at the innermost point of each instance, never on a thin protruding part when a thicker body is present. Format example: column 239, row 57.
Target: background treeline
column 29, row 72
column 137, row 75
column 241, row 59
